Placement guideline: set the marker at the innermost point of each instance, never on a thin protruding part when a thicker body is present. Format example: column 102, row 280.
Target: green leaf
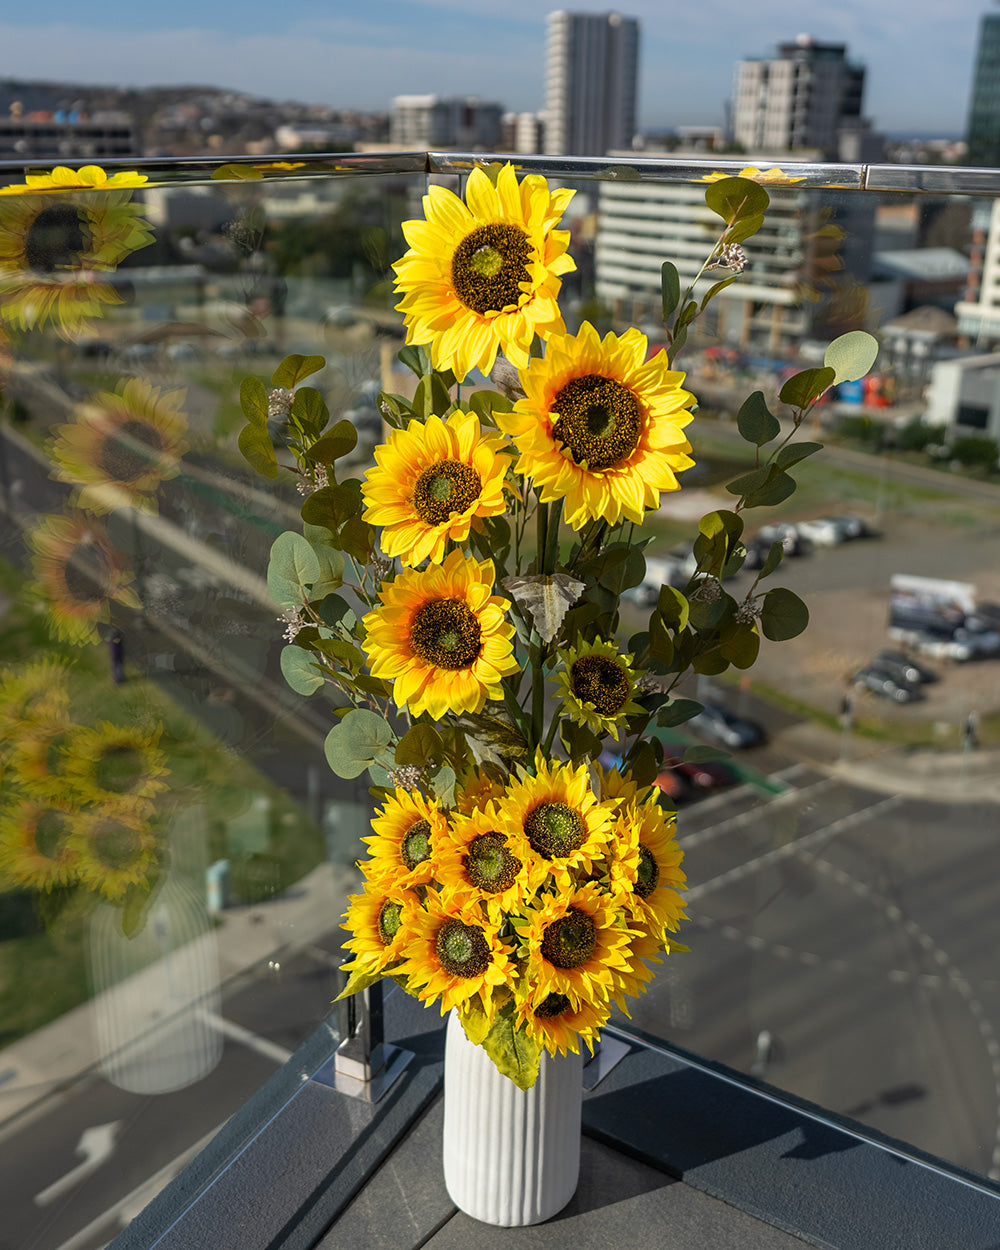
column 735, row 199
column 258, row 450
column 579, row 742
column 673, row 607
column 784, row 615
column 677, row 712
column 485, row 403
column 293, row 559
column 236, row 173
column 772, row 559
column 740, row 645
column 851, row 356
column 706, row 615
column 309, row 413
column 743, row 229
column 359, row 980
column 792, row 453
column 714, row 290
column 415, row 358
column 443, row 785
column 357, row 741
column 300, row 671
column 802, row 388
column 643, row 762
column 358, row 539
column 431, row 397
column 661, row 645
column 514, row 1054
column 339, row 441
column 295, row 369
column 670, row 285
column 704, row 755
column 756, row 422
column 747, row 483
column 419, row 746
column 475, row 1021
column 253, row 401
column 776, row 491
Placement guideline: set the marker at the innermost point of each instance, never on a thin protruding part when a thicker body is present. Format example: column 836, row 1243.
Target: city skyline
column 919, row 61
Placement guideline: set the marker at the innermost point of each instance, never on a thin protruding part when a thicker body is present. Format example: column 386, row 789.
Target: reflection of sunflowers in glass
column 78, row 573
column 116, row 847
column 32, row 697
column 58, row 232
column 35, row 844
column 109, row 761
column 121, row 447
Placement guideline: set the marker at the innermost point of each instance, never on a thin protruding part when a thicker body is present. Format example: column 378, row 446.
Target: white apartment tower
column 799, row 99
column 591, row 73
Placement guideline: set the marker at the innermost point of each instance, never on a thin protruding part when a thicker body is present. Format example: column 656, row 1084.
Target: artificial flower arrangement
column 464, row 597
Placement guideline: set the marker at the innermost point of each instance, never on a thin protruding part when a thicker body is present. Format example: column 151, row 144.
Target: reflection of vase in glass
column 156, row 993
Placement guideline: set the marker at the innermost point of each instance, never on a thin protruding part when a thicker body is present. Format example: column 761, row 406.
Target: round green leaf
column 293, row 565
column 253, row 401
column 736, row 199
column 299, row 671
column 802, row 388
column 359, row 740
column 258, row 450
column 784, row 615
column 851, row 356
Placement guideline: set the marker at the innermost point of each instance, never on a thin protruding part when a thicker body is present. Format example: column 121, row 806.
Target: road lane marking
column 229, row 1028
column 96, row 1145
column 788, row 799
column 790, row 848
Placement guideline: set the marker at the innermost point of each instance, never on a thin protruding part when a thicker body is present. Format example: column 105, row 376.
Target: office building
column 433, row 121
column 983, row 133
column 591, row 76
column 802, row 98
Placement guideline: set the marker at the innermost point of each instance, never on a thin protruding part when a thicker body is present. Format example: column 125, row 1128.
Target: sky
column 919, row 53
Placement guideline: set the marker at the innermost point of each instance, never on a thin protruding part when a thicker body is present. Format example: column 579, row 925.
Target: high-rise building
column 801, row 98
column 983, row 133
column 591, row 74
column 433, row 121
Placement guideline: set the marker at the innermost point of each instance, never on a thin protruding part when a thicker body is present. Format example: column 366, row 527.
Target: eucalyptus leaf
column 419, row 746
column 772, row 559
column 735, row 199
column 756, row 422
column 357, row 741
column 851, row 355
column 801, row 389
column 295, row 369
column 253, row 401
column 338, row 441
column 792, row 453
column 676, row 712
column 299, row 670
column 258, row 450
column 776, row 491
column 704, row 755
column 309, row 414
column 783, row 615
column 740, row 645
column 293, row 559
column 670, row 285
column 714, row 290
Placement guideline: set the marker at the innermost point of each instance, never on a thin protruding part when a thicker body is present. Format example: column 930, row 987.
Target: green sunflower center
column 123, row 458
column 598, row 680
column 446, row 633
column 416, row 844
column 648, row 874
column 116, row 845
column 553, row 1005
column 489, row 265
column 119, row 768
column 555, row 830
column 489, row 865
column 444, row 488
column 389, row 920
column 599, row 421
column 56, row 239
column 569, row 941
column 462, row 949
column 51, row 829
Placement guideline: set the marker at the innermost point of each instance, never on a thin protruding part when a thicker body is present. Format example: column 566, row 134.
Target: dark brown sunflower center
column 119, row 768
column 569, row 941
column 649, row 873
column 389, row 920
column 445, row 488
column 555, row 830
column 553, row 1005
column 80, row 586
column 122, row 454
column 416, row 844
column 116, row 845
column 599, row 421
column 462, row 949
column 596, row 679
column 51, row 829
column 446, row 633
column 56, row 239
column 489, row 265
column 489, row 865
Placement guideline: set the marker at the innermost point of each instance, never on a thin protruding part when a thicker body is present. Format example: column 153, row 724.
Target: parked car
column 720, row 725
column 821, row 532
column 881, row 682
column 851, row 526
column 904, row 666
column 700, row 777
column 785, row 533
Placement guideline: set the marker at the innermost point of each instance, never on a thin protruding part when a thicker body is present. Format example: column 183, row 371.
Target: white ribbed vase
column 511, row 1157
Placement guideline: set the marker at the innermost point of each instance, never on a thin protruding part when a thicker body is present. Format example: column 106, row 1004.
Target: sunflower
column 404, row 840
column 574, row 945
column 597, row 686
column 475, row 789
column 33, row 697
column 484, row 867
column 560, row 1025
column 35, row 845
column 441, row 637
column 116, row 847
column 483, row 276
column 78, row 574
column 112, row 760
column 57, row 232
column 450, row 959
column 432, row 482
column 39, row 755
column 600, row 426
column 379, row 920
column 120, row 448
column 659, row 877
column 772, row 175
column 556, row 812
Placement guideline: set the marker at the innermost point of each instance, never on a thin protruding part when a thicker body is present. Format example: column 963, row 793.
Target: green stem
column 552, row 537
column 537, row 693
column 542, row 534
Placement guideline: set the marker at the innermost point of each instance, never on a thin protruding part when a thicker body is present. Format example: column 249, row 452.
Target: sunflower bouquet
column 464, row 599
